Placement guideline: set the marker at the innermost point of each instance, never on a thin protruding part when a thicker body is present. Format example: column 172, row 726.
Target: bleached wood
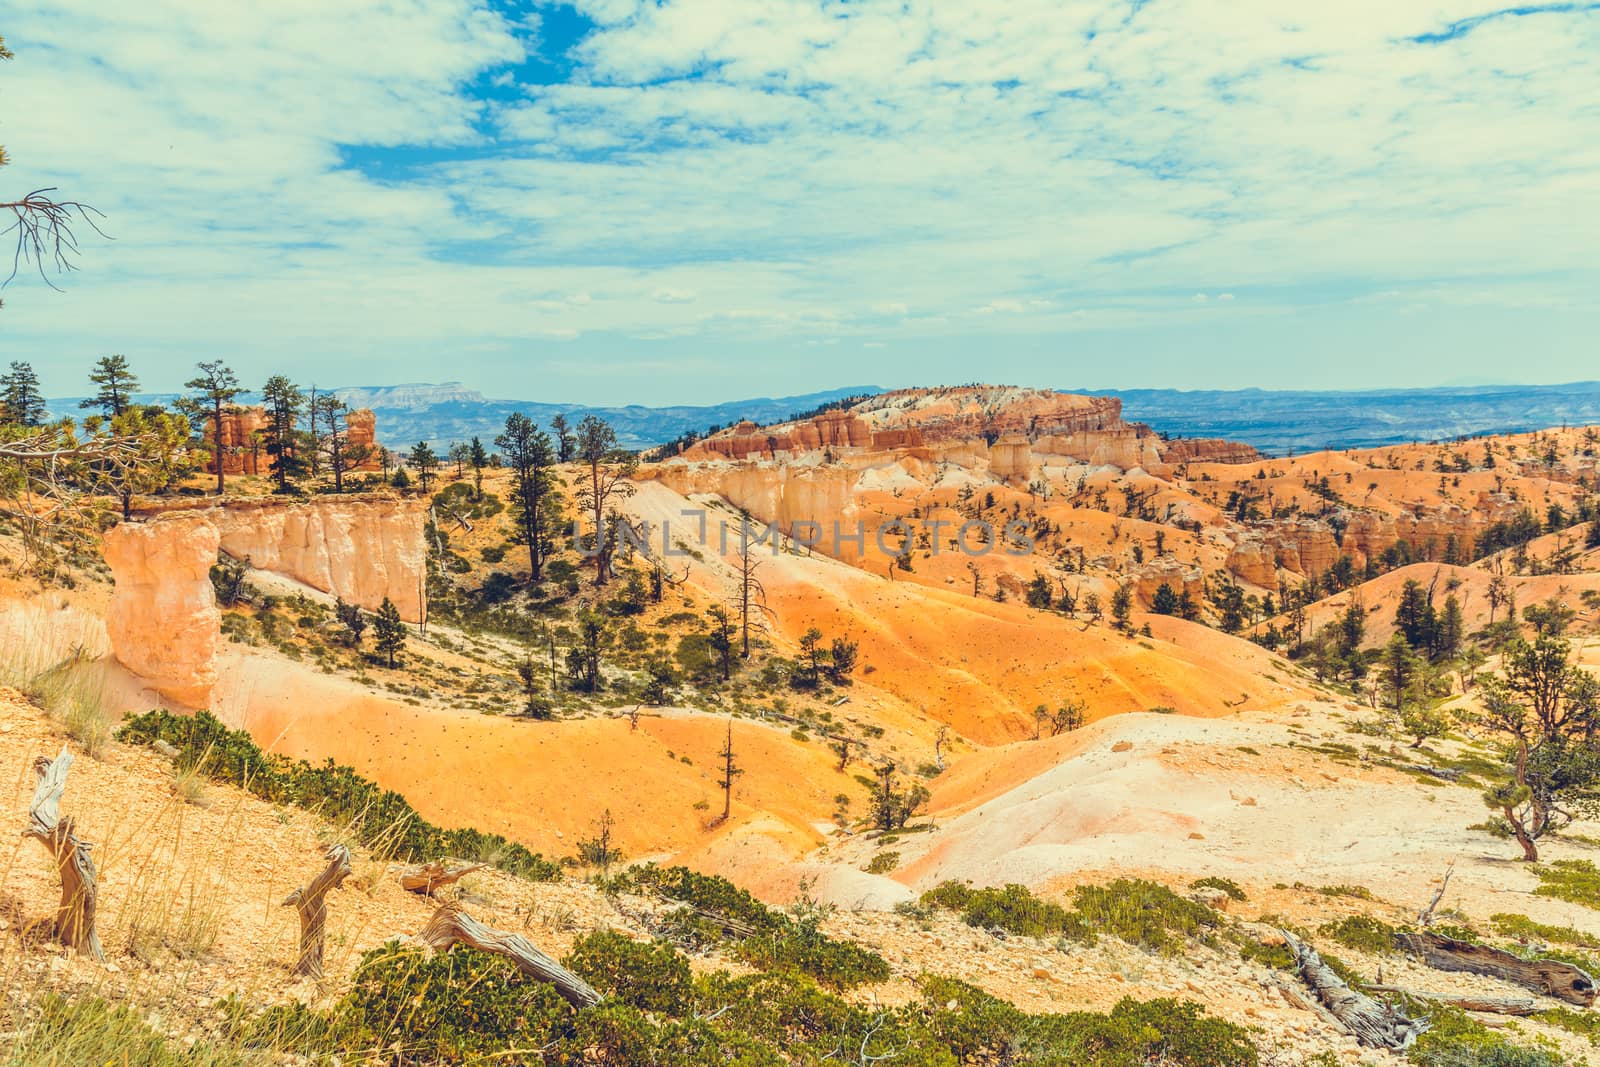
column 75, row 915
column 311, row 902
column 1550, row 977
column 450, row 926
column 433, row 875
column 1373, row 1024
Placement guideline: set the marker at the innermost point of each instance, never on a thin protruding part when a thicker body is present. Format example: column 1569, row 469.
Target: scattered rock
column 1122, row 746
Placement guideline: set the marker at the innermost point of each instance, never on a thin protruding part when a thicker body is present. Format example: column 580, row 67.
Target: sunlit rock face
column 163, row 620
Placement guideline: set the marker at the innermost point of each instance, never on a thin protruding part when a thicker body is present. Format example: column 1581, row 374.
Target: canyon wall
column 163, row 620
column 359, row 548
column 1015, row 425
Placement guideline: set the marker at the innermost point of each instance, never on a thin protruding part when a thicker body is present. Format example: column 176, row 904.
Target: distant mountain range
column 440, row 414
column 1276, row 422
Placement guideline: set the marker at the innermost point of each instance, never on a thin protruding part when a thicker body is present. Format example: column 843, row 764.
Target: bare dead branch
column 45, row 236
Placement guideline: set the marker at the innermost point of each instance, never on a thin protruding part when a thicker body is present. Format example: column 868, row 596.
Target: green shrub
column 1520, row 926
column 1363, row 933
column 1577, row 881
column 716, row 911
column 1016, row 911
column 382, row 818
column 650, row 977
column 1355, row 892
column 1586, row 1023
column 1227, row 885
column 952, row 896
column 1457, row 1040
column 1143, row 913
column 883, row 863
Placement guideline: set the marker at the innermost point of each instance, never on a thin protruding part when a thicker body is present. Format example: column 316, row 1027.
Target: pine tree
column 19, row 393
column 283, row 400
column 479, row 458
column 566, row 444
column 723, row 633
column 1165, row 602
column 1122, row 608
column 114, row 385
column 215, row 387
column 730, row 771
column 527, row 451
column 389, row 632
column 424, row 462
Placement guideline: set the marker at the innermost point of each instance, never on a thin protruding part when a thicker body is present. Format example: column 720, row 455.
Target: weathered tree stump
column 312, row 904
column 452, row 927
column 79, row 889
column 1550, row 977
column 1374, row 1024
column 433, row 875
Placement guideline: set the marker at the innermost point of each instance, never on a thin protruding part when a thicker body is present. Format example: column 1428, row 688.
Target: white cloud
column 779, row 171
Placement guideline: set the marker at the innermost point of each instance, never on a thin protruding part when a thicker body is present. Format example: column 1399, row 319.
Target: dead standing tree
column 750, row 598
column 75, row 915
column 608, row 480
column 311, row 902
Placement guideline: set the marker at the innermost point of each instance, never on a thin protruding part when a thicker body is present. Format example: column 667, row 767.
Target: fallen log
column 1550, row 977
column 450, row 927
column 1492, row 1005
column 80, row 891
column 1372, row 1023
column 311, row 902
column 434, row 875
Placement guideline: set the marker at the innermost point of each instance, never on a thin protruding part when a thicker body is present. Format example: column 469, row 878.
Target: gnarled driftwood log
column 1491, row 1005
column 434, row 875
column 1372, row 1023
column 451, row 927
column 1550, row 977
column 79, row 888
column 312, row 904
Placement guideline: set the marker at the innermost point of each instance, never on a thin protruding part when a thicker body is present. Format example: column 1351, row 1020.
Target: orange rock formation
column 244, row 447
column 163, row 621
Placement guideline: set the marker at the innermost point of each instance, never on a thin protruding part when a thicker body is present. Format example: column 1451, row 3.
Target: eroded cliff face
column 1015, row 425
column 1309, row 546
column 163, row 621
column 359, row 548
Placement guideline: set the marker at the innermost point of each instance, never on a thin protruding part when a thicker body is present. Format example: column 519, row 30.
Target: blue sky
column 666, row 202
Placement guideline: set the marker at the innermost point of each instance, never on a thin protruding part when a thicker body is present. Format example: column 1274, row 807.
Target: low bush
column 1457, row 1040
column 1577, row 881
column 463, row 1006
column 1227, row 885
column 1363, row 933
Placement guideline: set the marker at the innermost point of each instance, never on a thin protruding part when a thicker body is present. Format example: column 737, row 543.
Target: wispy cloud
column 354, row 191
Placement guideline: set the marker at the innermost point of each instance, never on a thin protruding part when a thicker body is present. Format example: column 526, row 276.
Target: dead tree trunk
column 311, row 902
column 79, row 888
column 434, row 875
column 1560, row 980
column 451, row 927
column 1373, row 1024
column 1491, row 1005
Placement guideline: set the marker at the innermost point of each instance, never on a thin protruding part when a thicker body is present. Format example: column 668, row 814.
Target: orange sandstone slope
column 975, row 664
